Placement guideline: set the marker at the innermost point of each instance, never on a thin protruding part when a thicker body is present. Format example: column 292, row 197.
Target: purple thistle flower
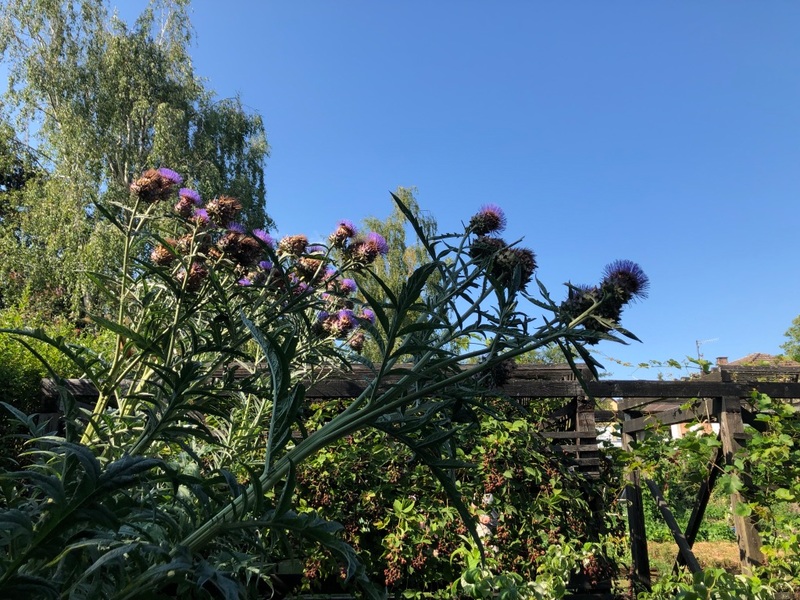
column 190, row 195
column 265, row 265
column 627, row 279
column 266, row 238
column 244, row 281
column 322, row 315
column 368, row 315
column 490, row 218
column 200, row 217
column 346, row 320
column 347, row 226
column 184, row 207
column 171, row 175
column 356, row 341
column 347, row 286
column 345, row 230
column 378, row 242
column 237, row 227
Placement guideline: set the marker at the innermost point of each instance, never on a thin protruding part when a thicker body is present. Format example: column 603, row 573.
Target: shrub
column 181, row 481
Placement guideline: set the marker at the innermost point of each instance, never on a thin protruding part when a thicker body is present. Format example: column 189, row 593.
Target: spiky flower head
column 237, row 227
column 244, row 281
column 625, row 280
column 264, row 237
column 367, row 315
column 499, row 374
column 162, row 255
column 356, row 341
column 223, row 210
column 184, row 244
column 377, row 241
column 509, row 261
column 580, row 298
column 293, row 245
column 265, row 265
column 337, row 286
column 301, row 287
column 171, row 175
column 197, row 273
column 190, row 195
column 346, row 321
column 152, row 186
column 184, row 207
column 485, row 247
column 489, row 219
column 361, row 253
column 309, row 269
column 242, row 249
column 345, row 230
column 200, row 218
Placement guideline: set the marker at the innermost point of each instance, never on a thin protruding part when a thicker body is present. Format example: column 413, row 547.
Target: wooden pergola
column 720, row 397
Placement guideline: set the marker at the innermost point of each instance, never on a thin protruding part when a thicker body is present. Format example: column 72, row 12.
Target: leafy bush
column 21, row 372
column 523, row 498
column 765, row 471
column 182, row 479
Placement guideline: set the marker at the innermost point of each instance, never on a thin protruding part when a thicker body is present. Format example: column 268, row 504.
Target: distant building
column 753, row 367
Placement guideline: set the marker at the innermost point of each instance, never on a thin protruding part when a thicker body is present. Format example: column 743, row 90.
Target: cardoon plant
column 180, row 480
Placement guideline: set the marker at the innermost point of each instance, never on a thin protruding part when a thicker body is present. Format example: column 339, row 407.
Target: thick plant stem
column 340, row 426
column 102, row 401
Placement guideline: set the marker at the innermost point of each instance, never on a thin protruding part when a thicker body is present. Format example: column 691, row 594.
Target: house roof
column 759, row 359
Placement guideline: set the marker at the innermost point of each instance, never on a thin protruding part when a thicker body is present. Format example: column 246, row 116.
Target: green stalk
column 340, row 426
column 102, row 400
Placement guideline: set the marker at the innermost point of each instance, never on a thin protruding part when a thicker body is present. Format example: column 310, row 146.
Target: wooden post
column 636, row 527
column 699, row 508
column 731, row 432
column 585, row 420
column 677, row 534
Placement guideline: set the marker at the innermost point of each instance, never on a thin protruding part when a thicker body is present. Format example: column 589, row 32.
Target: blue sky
column 665, row 133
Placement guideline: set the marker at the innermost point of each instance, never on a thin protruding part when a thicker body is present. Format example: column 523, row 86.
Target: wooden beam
column 706, row 407
column 635, row 394
column 699, row 508
column 677, row 534
column 731, row 433
column 640, row 575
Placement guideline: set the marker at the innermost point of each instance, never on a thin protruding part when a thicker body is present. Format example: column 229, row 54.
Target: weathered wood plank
column 636, row 393
column 706, row 407
column 677, row 534
column 700, row 504
column 583, row 435
column 731, row 428
column 574, row 448
column 640, row 575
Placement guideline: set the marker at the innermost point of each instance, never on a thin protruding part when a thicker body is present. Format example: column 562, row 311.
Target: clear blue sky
column 665, row 133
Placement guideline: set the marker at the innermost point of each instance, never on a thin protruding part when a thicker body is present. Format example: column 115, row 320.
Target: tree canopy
column 92, row 102
column 792, row 346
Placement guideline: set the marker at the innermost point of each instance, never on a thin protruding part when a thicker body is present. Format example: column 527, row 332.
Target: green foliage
column 679, row 466
column 103, row 101
column 404, row 255
column 765, row 471
column 710, row 583
column 524, row 499
column 771, row 460
column 792, row 346
column 181, row 480
column 21, row 372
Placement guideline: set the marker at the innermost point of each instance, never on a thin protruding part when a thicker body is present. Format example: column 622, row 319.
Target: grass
column 721, row 554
